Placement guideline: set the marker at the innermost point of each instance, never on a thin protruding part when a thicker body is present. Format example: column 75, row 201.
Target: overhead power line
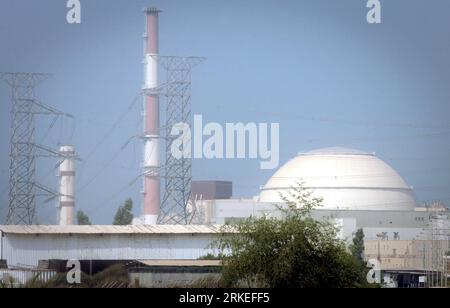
column 365, row 123
column 113, row 127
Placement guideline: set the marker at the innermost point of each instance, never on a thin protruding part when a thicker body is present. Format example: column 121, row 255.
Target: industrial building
column 26, row 246
column 359, row 191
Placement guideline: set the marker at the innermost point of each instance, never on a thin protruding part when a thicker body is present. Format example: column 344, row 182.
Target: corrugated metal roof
column 103, row 229
column 181, row 262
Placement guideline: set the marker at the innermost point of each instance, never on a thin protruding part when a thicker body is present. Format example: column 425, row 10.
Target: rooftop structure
column 345, row 179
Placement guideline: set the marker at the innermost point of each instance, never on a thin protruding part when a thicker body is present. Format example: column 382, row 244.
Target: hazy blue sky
column 316, row 67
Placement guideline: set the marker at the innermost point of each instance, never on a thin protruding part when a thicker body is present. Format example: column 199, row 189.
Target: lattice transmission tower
column 23, row 186
column 177, row 172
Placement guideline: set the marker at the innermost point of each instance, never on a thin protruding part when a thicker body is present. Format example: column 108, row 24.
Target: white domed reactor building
column 358, row 190
column 345, row 179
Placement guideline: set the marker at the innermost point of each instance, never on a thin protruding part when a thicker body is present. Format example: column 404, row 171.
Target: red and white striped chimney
column 151, row 120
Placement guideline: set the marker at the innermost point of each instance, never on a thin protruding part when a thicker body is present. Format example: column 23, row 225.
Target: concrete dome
column 345, row 179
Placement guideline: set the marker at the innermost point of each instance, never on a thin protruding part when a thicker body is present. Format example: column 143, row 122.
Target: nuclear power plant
column 181, row 217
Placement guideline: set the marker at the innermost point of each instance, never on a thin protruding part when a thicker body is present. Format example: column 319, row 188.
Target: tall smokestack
column 151, row 120
column 66, row 185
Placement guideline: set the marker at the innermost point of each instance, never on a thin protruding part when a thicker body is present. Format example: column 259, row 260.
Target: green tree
column 293, row 250
column 357, row 247
column 82, row 219
column 124, row 214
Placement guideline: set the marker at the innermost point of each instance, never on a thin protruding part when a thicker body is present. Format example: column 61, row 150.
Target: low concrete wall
column 19, row 277
column 166, row 276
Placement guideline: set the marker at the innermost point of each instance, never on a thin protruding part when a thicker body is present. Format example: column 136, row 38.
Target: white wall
column 372, row 222
column 346, row 228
